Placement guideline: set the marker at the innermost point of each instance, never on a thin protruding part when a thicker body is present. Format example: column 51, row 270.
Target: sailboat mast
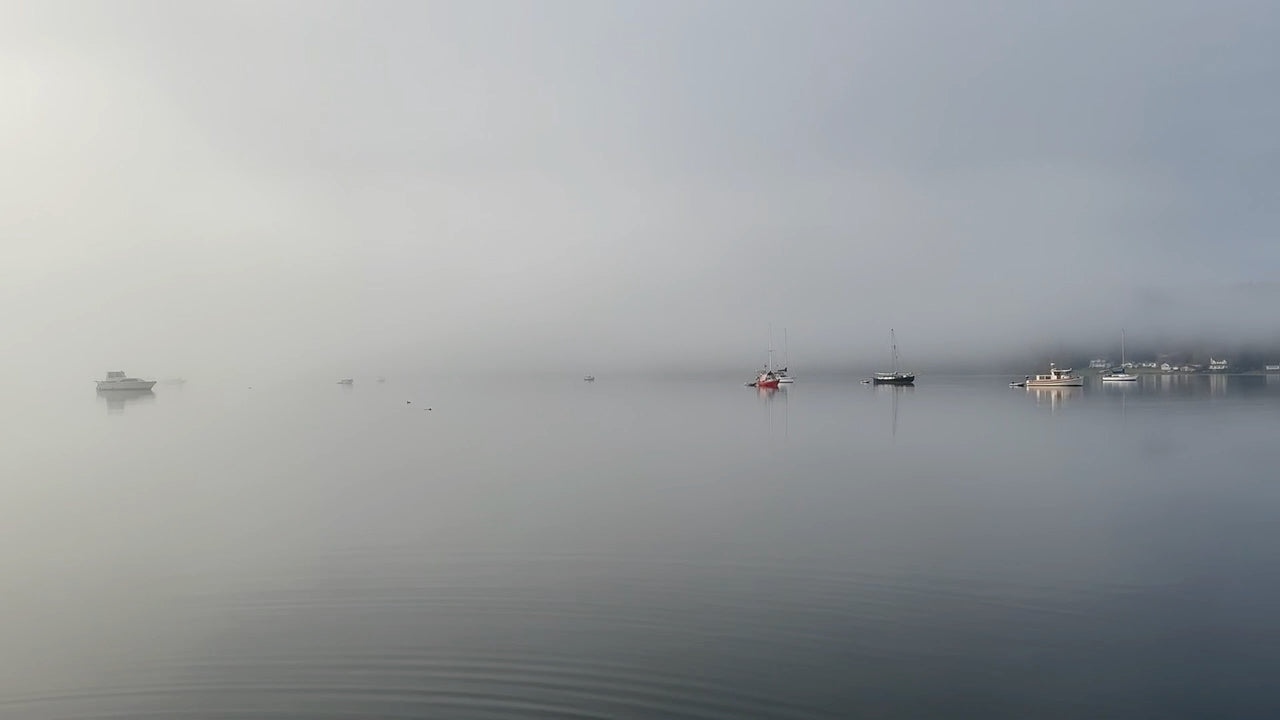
column 1121, row 347
column 786, row 350
column 893, row 346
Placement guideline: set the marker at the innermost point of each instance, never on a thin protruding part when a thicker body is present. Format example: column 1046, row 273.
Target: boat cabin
column 1055, row 374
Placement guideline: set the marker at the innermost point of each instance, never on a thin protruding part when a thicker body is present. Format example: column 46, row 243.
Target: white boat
column 894, row 376
column 1119, row 375
column 783, row 377
column 116, row 380
column 589, row 378
column 1056, row 378
column 347, row 381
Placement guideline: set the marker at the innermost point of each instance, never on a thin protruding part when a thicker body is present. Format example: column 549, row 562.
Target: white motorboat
column 347, row 381
column 117, row 380
column 1056, row 378
column 1119, row 375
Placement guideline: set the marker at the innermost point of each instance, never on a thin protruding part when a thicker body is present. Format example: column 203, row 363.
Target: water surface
column 629, row 549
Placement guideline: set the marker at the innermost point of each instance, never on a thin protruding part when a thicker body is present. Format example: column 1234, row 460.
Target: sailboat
column 894, row 376
column 767, row 378
column 783, row 377
column 1119, row 375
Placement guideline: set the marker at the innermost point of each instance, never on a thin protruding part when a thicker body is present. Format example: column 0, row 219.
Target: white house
column 1217, row 365
column 1166, row 367
column 1100, row 363
column 1273, row 368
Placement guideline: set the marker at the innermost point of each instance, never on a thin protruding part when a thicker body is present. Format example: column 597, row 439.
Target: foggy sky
column 359, row 188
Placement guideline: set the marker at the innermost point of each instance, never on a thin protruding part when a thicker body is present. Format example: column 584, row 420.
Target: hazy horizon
column 334, row 189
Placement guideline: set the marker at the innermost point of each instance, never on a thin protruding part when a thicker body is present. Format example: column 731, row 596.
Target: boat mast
column 893, row 346
column 1122, row 347
column 786, row 350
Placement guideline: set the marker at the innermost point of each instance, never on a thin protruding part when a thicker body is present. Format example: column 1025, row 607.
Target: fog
column 336, row 189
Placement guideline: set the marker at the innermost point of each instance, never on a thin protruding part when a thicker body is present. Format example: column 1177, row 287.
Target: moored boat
column 894, row 376
column 1056, row 377
column 117, row 380
column 784, row 378
column 768, row 379
column 1119, row 374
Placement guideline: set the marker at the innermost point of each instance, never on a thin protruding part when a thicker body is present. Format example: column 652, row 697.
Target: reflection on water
column 1054, row 397
column 894, row 392
column 116, row 400
column 635, row 551
column 771, row 398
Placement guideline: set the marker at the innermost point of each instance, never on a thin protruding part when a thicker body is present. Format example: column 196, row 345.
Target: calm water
column 640, row 550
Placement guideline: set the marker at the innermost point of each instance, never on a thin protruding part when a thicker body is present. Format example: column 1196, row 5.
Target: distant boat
column 589, row 378
column 116, row 380
column 347, row 381
column 783, row 377
column 894, row 376
column 1119, row 375
column 768, row 377
column 381, row 379
column 1056, row 378
column 1020, row 383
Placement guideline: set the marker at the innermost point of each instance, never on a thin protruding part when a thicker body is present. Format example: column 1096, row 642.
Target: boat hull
column 786, row 380
column 1073, row 382
column 106, row 386
column 894, row 380
column 1119, row 378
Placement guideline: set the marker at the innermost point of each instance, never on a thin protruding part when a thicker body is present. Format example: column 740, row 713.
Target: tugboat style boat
column 116, row 380
column 894, row 376
column 1056, row 378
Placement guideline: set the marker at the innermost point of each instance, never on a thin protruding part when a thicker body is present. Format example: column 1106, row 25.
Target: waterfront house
column 1217, row 365
column 1166, row 367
